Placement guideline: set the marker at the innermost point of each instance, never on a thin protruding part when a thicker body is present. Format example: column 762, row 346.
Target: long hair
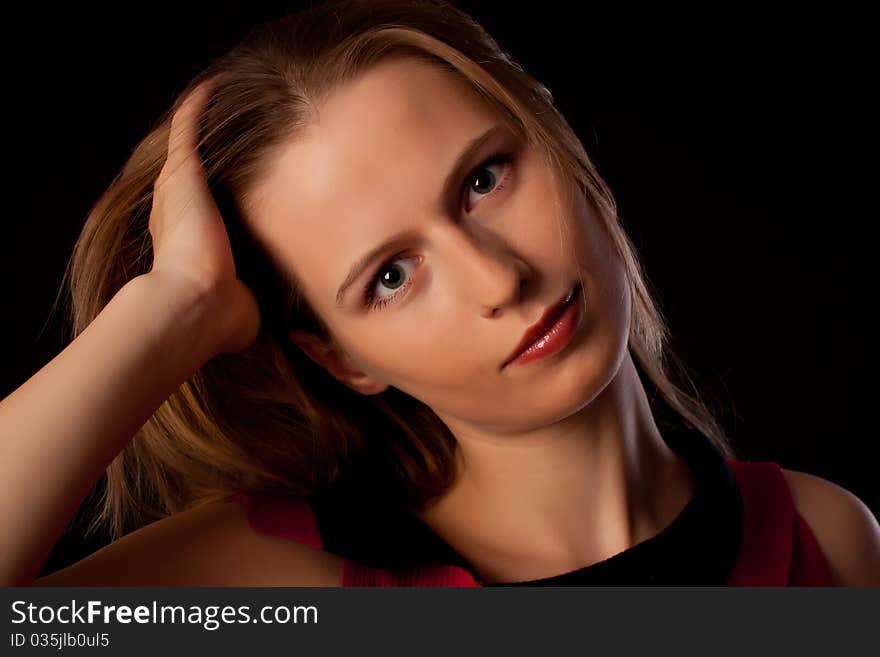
column 268, row 419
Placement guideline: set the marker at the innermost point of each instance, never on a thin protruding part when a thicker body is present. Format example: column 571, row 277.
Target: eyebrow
column 468, row 152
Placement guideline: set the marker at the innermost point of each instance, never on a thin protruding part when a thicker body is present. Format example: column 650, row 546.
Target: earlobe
column 336, row 362
column 312, row 346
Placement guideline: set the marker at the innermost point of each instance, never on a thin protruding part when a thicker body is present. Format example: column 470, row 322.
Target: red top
column 777, row 549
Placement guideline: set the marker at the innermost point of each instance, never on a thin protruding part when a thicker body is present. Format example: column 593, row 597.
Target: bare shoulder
column 210, row 545
column 843, row 525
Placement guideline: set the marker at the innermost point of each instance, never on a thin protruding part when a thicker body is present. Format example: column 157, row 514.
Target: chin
column 574, row 383
column 589, row 372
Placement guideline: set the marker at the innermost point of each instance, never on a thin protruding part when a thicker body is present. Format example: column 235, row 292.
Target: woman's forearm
column 63, row 426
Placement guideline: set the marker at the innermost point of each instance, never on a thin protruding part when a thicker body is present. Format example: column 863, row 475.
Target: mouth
column 540, row 330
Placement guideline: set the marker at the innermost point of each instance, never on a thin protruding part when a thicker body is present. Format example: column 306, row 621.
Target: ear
column 336, row 362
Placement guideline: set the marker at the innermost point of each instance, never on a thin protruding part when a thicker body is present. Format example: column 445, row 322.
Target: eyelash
column 502, row 157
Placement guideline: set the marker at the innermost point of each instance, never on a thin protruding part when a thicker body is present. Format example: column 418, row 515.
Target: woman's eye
column 392, row 276
column 489, row 177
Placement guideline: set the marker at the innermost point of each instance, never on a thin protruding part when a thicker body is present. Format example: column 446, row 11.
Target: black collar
column 699, row 547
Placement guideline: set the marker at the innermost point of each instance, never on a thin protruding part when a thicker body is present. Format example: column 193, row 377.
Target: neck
column 567, row 496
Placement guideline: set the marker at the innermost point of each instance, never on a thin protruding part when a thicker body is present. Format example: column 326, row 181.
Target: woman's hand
column 190, row 242
column 73, row 417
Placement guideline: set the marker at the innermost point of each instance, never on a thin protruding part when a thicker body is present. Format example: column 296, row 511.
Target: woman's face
column 474, row 254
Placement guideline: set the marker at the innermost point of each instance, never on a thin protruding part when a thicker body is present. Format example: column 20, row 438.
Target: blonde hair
column 268, row 419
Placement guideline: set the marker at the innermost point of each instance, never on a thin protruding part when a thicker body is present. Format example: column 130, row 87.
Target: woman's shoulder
column 845, row 528
column 210, row 545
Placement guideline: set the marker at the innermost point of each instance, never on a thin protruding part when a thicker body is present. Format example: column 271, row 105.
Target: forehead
column 374, row 157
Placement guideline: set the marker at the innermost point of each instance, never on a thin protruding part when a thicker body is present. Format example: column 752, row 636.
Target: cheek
column 605, row 274
column 406, row 354
column 610, row 291
column 432, row 356
column 590, row 240
column 608, row 266
column 539, row 225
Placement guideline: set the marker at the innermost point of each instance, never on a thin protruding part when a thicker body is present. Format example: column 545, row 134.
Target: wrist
column 184, row 318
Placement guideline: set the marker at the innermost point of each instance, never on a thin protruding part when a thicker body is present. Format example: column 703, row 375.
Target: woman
column 362, row 288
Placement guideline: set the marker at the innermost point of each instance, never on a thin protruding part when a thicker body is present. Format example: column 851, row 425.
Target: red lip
column 540, row 327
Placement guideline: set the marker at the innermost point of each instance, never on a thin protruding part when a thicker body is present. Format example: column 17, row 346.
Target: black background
column 732, row 139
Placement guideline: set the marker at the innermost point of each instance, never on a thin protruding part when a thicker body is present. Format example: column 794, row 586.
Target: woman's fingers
column 181, row 184
column 184, row 136
column 190, row 242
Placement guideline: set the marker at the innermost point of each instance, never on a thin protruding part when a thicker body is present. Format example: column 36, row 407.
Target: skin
column 561, row 464
column 191, row 306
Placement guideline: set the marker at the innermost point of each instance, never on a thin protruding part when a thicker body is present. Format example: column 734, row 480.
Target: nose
column 487, row 271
